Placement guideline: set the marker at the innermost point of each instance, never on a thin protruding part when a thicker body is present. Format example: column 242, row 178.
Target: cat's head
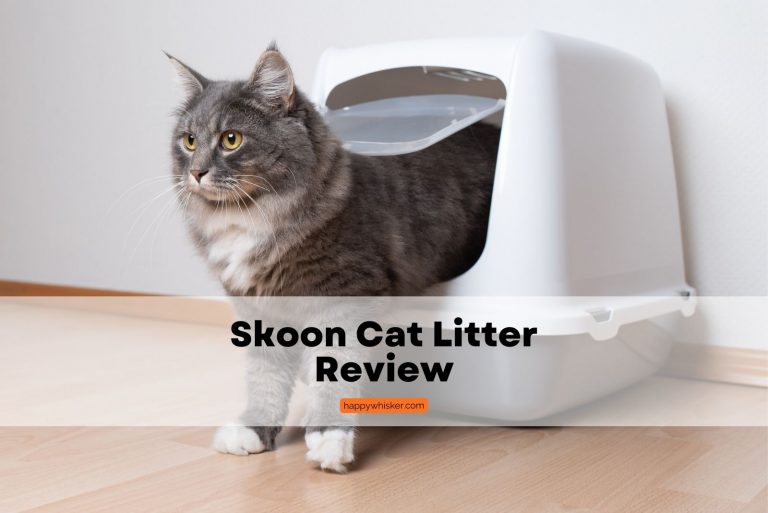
column 236, row 141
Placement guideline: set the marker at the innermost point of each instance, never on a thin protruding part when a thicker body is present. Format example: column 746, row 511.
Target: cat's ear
column 273, row 78
column 192, row 81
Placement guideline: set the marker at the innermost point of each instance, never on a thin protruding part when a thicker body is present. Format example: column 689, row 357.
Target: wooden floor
column 127, row 378
column 620, row 470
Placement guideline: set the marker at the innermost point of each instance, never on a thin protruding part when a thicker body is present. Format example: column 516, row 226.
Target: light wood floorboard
column 452, row 469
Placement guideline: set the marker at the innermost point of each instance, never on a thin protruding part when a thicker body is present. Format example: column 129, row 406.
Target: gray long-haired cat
column 279, row 208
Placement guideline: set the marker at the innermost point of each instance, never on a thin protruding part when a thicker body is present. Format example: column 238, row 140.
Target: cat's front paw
column 331, row 448
column 237, row 439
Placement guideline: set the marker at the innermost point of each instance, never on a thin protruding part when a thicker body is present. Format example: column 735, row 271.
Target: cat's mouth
column 218, row 193
column 218, row 190
column 212, row 192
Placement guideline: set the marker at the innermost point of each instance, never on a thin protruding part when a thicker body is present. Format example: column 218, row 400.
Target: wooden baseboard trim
column 717, row 363
column 203, row 310
column 24, row 288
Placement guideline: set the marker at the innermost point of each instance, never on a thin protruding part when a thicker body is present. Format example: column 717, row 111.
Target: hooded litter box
column 584, row 206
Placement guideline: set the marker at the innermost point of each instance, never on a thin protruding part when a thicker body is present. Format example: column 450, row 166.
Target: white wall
column 86, row 97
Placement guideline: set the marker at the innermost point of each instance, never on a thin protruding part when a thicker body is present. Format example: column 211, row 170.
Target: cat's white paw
column 236, row 439
column 331, row 448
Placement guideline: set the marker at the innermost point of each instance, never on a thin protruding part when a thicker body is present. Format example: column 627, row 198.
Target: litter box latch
column 603, row 322
column 602, row 326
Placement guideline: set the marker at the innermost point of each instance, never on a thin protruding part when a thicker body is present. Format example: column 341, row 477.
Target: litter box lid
column 601, row 317
column 393, row 126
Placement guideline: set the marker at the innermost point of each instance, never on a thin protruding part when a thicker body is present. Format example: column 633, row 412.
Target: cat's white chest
column 237, row 247
column 231, row 254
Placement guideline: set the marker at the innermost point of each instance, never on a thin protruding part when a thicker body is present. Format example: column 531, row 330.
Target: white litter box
column 584, row 208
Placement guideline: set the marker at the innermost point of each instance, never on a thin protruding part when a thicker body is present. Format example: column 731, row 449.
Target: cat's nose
column 198, row 174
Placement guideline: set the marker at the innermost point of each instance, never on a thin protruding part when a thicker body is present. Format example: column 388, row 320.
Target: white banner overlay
column 504, row 361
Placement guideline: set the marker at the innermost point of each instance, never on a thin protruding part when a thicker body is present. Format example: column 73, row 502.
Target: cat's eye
column 189, row 141
column 231, row 139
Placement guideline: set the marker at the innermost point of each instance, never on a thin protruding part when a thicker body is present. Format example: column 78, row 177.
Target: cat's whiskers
column 186, row 201
column 216, row 210
column 255, row 185
column 237, row 195
column 238, row 199
column 269, row 184
column 138, row 214
column 281, row 272
column 158, row 217
column 234, row 180
column 114, row 204
column 226, row 213
column 175, row 206
column 240, row 178
column 147, row 181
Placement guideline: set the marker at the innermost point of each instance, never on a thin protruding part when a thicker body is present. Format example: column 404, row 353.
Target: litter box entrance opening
column 406, row 110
